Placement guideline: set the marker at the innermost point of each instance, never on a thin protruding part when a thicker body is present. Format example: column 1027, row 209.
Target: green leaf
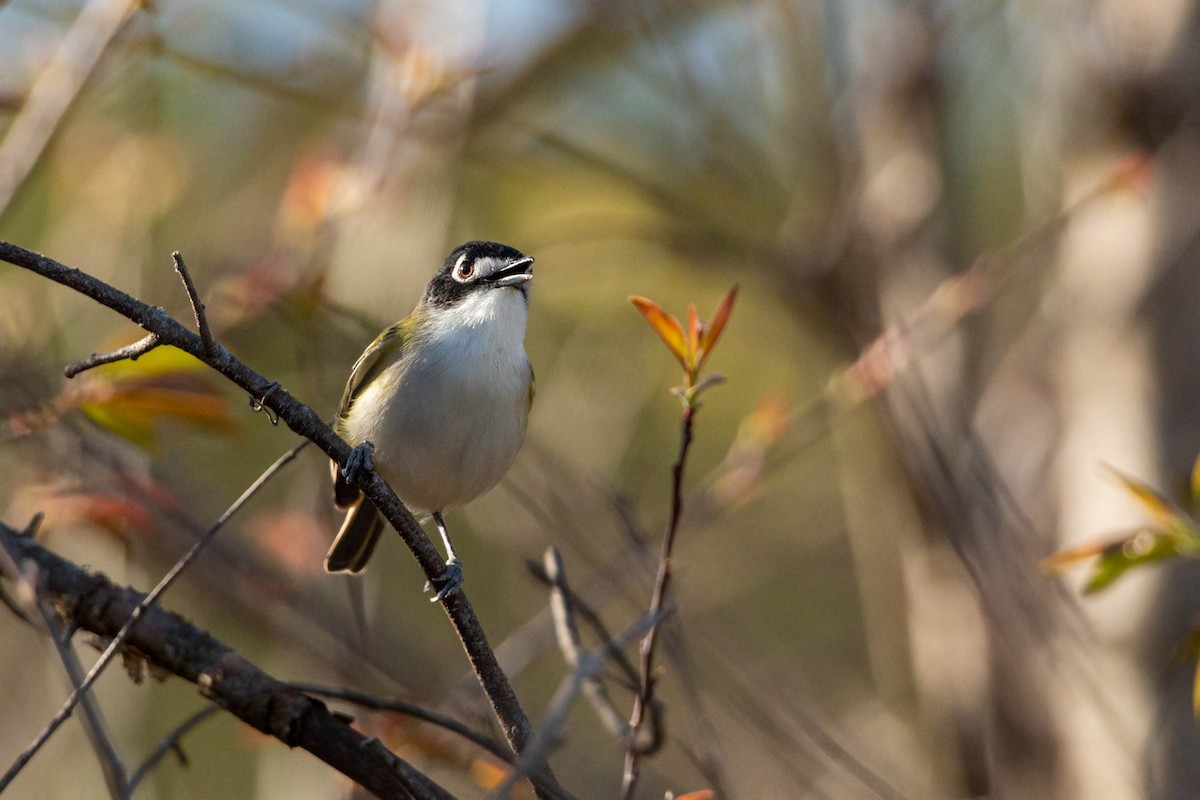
column 1144, row 547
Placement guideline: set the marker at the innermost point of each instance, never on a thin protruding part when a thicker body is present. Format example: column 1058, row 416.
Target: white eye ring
column 464, row 269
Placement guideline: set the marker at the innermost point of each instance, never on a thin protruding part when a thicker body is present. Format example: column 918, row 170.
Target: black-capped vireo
column 442, row 399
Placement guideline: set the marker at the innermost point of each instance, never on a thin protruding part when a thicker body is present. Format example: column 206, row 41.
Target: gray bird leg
column 449, row 581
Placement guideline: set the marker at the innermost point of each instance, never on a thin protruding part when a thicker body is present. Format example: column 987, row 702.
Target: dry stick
column 398, row 706
column 590, row 664
column 170, row 744
column 94, row 603
column 197, row 307
column 93, row 721
column 304, row 421
column 658, row 597
column 130, row 352
column 579, row 608
column 123, row 634
column 567, row 633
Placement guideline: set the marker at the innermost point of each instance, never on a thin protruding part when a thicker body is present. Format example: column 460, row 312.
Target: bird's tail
column 356, row 540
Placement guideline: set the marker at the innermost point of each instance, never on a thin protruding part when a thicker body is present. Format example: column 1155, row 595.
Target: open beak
column 515, row 274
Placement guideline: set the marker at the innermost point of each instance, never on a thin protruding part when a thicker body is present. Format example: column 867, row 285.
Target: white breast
column 457, row 416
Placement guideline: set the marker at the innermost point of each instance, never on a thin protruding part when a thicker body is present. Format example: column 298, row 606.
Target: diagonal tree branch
column 122, row 635
column 94, row 727
column 93, row 603
column 56, row 88
column 304, row 421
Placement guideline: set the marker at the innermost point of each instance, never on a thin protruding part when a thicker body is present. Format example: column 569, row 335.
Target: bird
column 437, row 405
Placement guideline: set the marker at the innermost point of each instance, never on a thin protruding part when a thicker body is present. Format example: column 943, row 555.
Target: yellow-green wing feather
column 372, row 362
column 368, row 366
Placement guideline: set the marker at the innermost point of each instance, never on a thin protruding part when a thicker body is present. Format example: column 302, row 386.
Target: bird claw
column 448, row 582
column 359, row 461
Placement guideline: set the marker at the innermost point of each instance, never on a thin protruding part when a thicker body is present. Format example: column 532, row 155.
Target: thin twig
column 131, row 352
column 583, row 610
column 118, row 640
column 662, row 582
column 194, row 299
column 560, row 705
column 170, row 744
column 399, row 706
column 93, row 720
column 395, row 704
column 567, row 633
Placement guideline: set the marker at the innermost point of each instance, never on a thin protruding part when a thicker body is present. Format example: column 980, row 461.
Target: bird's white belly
column 452, row 430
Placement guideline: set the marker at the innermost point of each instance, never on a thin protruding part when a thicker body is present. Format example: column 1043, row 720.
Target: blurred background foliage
column 965, row 238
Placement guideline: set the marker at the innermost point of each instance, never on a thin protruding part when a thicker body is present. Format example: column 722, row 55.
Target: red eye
column 465, row 269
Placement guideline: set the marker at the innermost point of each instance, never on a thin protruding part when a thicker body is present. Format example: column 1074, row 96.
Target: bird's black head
column 479, row 267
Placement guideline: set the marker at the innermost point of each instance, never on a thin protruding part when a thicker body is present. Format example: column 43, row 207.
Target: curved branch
column 93, row 603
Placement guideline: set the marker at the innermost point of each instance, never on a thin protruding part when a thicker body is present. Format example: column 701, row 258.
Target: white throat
column 494, row 318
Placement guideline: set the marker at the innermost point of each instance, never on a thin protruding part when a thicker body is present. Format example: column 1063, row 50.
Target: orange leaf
column 1158, row 508
column 132, row 410
column 703, row 794
column 717, row 324
column 129, row 398
column 694, row 328
column 665, row 325
column 1065, row 559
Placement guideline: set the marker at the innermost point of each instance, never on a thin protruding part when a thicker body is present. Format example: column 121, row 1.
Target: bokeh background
column 965, row 236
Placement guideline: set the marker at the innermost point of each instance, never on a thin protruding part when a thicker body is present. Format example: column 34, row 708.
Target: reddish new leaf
column 694, row 329
column 665, row 325
column 716, row 325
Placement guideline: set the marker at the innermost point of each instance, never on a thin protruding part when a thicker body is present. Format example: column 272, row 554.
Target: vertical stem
column 658, row 598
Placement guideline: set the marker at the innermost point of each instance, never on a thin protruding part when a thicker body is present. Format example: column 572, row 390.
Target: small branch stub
column 131, row 352
column 194, row 298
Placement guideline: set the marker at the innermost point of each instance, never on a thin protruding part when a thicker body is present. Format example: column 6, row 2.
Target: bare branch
column 197, row 307
column 93, row 721
column 136, row 614
column 95, row 604
column 581, row 609
column 567, row 634
column 399, row 706
column 589, row 665
column 396, row 705
column 658, row 596
column 131, row 352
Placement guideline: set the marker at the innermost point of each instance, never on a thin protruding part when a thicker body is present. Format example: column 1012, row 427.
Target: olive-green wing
column 371, row 363
column 373, row 360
